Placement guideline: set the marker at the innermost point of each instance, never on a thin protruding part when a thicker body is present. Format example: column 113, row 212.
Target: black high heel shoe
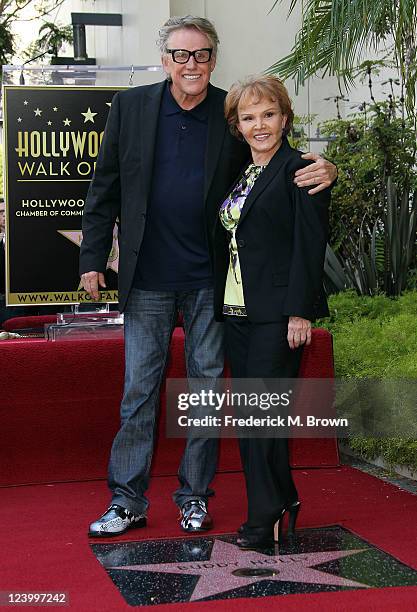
column 251, row 538
column 292, row 510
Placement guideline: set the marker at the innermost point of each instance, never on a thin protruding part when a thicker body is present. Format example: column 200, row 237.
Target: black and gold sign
column 52, row 139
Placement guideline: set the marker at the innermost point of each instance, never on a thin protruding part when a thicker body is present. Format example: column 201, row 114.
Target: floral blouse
column 234, row 302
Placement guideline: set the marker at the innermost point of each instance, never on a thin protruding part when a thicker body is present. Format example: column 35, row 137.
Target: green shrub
column 376, row 337
column 373, row 210
column 373, row 336
column 347, row 306
column 395, row 451
column 366, row 148
column 374, row 348
column 412, row 279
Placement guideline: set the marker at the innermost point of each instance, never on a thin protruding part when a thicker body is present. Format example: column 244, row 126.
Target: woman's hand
column 299, row 332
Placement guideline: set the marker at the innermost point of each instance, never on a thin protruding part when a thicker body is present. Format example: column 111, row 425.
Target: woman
column 270, row 244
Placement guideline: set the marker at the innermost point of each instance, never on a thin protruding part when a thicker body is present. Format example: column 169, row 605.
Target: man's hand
column 91, row 282
column 299, row 332
column 322, row 173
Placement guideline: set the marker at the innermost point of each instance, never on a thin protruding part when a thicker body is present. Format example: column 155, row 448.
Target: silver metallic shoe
column 194, row 516
column 115, row 521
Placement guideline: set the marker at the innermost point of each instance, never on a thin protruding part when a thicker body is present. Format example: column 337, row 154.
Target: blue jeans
column 150, row 318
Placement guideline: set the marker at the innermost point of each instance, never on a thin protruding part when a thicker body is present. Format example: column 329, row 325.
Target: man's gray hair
column 189, row 21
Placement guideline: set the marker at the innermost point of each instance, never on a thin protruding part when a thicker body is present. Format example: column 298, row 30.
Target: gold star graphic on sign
column 19, row 119
column 89, row 115
column 49, row 122
column 76, row 237
column 38, row 112
column 55, row 109
column 25, row 102
column 67, row 121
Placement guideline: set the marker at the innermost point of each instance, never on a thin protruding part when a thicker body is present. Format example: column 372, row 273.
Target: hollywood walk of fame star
column 37, row 112
column 76, row 237
column 89, row 115
column 67, row 121
column 216, row 575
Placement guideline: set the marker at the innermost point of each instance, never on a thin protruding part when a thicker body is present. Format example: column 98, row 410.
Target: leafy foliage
column 10, row 11
column 298, row 137
column 400, row 225
column 373, row 211
column 377, row 348
column 335, row 34
column 6, row 44
column 395, row 451
column 376, row 337
column 366, row 150
column 373, row 336
column 412, row 279
column 51, row 37
column 384, row 261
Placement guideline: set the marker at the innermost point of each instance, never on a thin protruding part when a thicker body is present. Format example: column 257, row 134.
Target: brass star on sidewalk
column 228, row 568
column 89, row 115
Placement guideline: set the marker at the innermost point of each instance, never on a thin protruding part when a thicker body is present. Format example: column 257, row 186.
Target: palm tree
column 335, row 35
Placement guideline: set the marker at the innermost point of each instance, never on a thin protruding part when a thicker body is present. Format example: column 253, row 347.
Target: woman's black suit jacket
column 281, row 239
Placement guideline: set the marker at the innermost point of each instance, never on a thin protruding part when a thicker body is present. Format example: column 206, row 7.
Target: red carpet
column 59, row 414
column 44, row 543
column 59, row 409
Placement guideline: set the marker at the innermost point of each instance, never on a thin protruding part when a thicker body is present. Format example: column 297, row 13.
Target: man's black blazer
column 122, row 179
column 281, row 239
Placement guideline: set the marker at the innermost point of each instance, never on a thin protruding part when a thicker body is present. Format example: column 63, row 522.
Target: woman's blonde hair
column 255, row 88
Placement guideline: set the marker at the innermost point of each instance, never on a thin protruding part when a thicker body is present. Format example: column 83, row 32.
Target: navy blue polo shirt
column 174, row 252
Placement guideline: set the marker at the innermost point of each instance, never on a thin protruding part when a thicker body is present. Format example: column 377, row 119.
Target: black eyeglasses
column 181, row 56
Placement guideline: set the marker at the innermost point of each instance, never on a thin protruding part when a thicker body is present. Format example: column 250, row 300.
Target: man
column 166, row 160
